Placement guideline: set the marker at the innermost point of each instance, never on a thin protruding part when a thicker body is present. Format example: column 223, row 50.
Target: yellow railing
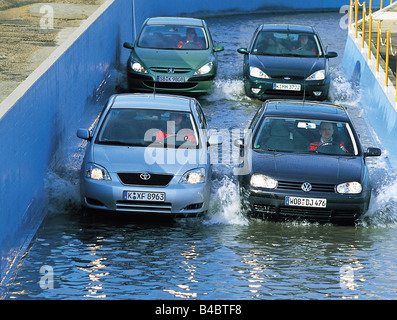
column 355, row 7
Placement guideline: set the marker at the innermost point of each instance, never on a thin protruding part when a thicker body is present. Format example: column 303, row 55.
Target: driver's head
column 326, row 130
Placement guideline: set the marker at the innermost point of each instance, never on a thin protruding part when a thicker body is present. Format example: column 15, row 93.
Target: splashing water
column 62, row 193
column 343, row 91
column 227, row 89
column 225, row 205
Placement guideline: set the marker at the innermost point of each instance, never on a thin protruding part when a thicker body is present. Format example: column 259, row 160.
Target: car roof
column 175, row 21
column 305, row 109
column 287, row 27
column 151, row 101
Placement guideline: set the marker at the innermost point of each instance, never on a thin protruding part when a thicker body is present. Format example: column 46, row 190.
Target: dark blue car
column 304, row 160
column 286, row 61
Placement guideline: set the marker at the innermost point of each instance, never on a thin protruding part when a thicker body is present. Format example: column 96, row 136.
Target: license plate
column 306, row 202
column 170, row 79
column 286, row 86
column 144, row 196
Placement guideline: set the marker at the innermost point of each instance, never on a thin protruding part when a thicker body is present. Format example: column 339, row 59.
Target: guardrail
column 355, row 7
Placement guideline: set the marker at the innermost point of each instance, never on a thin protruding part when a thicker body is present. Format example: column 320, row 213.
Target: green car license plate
column 170, row 79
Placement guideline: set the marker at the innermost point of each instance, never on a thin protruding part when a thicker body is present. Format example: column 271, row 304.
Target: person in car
column 181, row 131
column 326, row 131
column 191, row 41
column 304, row 44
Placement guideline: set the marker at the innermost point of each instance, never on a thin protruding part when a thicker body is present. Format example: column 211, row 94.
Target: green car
column 173, row 55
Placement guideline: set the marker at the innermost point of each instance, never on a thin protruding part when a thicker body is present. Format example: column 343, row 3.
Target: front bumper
column 340, row 209
column 192, row 84
column 180, row 199
column 264, row 89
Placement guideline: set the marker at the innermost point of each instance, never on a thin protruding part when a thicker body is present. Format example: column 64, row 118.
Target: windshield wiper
column 121, row 143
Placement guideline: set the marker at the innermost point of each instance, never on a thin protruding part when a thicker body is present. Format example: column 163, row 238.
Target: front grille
column 171, row 85
column 283, row 93
column 305, row 213
column 316, row 187
column 310, row 214
column 134, row 178
column 166, row 70
column 144, row 206
column 292, row 78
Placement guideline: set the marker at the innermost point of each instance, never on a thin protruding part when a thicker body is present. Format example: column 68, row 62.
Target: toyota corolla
column 172, row 55
column 148, row 154
column 305, row 161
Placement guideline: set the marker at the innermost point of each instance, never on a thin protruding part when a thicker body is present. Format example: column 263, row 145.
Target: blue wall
column 34, row 131
column 379, row 110
column 37, row 129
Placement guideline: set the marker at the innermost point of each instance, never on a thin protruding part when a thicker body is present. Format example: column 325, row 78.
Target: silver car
column 148, row 154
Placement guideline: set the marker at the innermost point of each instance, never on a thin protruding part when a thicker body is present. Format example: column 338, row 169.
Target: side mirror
column 214, row 140
column 331, row 55
column 373, row 152
column 128, row 45
column 83, row 134
column 242, row 50
column 239, row 143
column 218, row 48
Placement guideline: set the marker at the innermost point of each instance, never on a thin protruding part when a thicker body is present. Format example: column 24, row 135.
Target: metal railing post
column 355, row 18
column 363, row 27
column 369, row 36
column 387, row 59
column 378, row 48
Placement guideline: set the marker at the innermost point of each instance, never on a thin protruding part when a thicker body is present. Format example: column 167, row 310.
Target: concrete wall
column 38, row 120
column 205, row 8
column 377, row 101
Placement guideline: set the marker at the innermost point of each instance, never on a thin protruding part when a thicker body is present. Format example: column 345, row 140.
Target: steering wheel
column 332, row 145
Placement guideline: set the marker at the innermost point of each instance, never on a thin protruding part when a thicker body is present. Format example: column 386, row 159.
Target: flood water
column 222, row 255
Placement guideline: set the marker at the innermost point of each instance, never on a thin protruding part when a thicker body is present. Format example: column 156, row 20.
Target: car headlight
column 318, row 75
column 258, row 73
column 204, row 69
column 96, row 172
column 137, row 67
column 194, row 176
column 262, row 181
column 349, row 188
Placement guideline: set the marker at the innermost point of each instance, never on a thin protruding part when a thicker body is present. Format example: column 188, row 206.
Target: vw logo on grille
column 145, row 176
column 306, row 187
column 171, row 70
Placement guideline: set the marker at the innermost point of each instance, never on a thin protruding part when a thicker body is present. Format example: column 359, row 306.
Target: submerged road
column 222, row 255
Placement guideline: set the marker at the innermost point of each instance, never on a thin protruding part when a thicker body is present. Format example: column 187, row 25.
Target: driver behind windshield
column 178, row 129
column 326, row 131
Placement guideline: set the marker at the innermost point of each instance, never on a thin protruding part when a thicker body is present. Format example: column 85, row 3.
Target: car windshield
column 173, row 37
column 305, row 136
column 287, row 44
column 147, row 127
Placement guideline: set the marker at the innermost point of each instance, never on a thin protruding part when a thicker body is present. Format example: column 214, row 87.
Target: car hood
column 173, row 58
column 137, row 159
column 312, row 168
column 278, row 66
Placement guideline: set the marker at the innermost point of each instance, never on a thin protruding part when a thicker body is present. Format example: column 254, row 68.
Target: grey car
column 148, row 154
